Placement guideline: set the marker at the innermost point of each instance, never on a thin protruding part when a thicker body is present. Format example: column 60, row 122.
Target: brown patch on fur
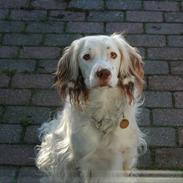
column 75, row 89
column 127, row 89
column 133, row 66
column 137, row 70
column 65, row 82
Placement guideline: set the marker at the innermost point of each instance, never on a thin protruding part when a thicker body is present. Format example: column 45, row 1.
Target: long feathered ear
column 67, row 70
column 68, row 77
column 136, row 69
column 131, row 73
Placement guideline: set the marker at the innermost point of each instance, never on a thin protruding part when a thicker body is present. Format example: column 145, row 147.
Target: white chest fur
column 105, row 105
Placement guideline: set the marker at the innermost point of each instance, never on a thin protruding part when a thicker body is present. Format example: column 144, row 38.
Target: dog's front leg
column 130, row 160
column 97, row 167
column 85, row 171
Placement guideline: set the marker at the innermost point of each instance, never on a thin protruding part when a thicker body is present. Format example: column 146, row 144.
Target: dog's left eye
column 113, row 55
column 86, row 57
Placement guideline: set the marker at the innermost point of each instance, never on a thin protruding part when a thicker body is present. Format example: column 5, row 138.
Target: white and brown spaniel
column 96, row 134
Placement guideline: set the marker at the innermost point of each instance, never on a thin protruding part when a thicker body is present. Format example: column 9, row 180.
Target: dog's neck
column 106, row 97
column 105, row 101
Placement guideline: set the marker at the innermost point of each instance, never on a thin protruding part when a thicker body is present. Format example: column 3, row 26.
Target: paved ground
column 32, row 36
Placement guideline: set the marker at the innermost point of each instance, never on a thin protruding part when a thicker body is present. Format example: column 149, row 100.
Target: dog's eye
column 113, row 55
column 86, row 57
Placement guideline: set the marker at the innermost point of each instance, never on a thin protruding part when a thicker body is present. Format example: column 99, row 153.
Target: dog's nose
column 103, row 74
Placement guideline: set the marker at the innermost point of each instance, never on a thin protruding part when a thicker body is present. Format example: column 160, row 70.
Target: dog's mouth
column 108, row 82
column 102, row 83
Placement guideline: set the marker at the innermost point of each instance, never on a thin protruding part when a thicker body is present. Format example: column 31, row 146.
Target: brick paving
column 33, row 34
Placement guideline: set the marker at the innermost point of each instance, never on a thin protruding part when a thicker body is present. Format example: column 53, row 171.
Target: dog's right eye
column 86, row 57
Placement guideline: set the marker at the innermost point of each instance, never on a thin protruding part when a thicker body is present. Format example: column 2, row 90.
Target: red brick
column 124, row 27
column 32, row 81
column 169, row 158
column 14, row 3
column 40, row 52
column 61, row 39
column 31, row 135
column 22, row 39
column 124, row 5
column 36, row 115
column 160, row 136
column 53, row 4
column 156, row 67
column 8, row 52
column 161, row 6
column 87, row 4
column 147, row 40
column 158, row 99
column 85, row 27
column 178, row 99
column 66, row 15
column 10, row 133
column 47, row 66
column 171, row 83
column 46, row 98
column 174, row 17
column 144, row 16
column 10, row 26
column 35, row 15
column 106, row 16
column 176, row 41
column 17, row 65
column 17, row 155
column 168, row 117
column 45, row 27
column 14, row 97
column 4, row 80
column 164, row 28
column 165, row 53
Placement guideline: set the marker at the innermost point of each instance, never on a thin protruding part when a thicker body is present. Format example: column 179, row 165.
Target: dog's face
column 97, row 61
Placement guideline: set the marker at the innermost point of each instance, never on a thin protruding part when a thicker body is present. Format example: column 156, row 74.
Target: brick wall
column 32, row 36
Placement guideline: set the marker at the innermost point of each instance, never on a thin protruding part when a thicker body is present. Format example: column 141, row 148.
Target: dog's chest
column 108, row 107
column 106, row 103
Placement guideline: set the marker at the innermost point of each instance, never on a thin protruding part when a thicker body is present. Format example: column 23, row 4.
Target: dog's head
column 97, row 61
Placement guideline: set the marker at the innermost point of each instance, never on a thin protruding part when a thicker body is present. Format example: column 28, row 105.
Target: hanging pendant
column 124, row 122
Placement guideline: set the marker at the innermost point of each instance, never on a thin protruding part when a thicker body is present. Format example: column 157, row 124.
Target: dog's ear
column 131, row 73
column 136, row 69
column 67, row 69
column 68, row 77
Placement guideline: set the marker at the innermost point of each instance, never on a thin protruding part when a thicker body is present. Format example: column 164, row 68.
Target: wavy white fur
column 72, row 145
column 85, row 142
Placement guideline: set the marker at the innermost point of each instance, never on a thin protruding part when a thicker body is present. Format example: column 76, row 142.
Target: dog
column 101, row 80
